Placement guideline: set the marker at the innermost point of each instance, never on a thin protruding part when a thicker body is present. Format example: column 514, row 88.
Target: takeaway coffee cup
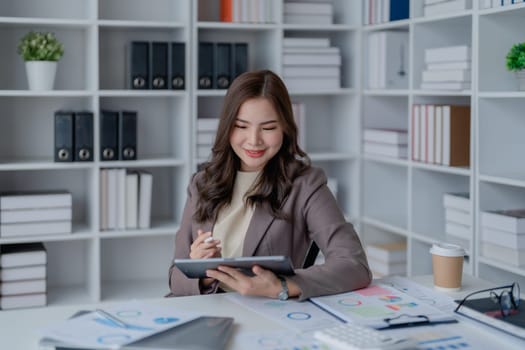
column 447, row 266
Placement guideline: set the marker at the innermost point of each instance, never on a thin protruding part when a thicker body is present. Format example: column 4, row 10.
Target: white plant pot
column 41, row 74
column 521, row 79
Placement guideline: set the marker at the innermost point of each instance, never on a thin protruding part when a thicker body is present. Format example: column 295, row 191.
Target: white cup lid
column 447, row 249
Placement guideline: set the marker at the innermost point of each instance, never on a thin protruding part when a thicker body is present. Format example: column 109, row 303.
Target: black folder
column 240, row 59
column 206, row 60
column 138, row 65
column 159, row 65
column 83, row 137
column 64, row 136
column 223, row 65
column 178, row 66
column 127, row 135
column 108, row 135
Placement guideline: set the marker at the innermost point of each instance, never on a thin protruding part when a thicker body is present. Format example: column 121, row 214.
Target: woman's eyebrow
column 263, row 123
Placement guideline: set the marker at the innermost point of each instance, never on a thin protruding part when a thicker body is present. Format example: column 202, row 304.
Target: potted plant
column 516, row 62
column 41, row 51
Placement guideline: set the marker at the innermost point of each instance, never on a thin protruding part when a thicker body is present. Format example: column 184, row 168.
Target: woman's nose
column 254, row 138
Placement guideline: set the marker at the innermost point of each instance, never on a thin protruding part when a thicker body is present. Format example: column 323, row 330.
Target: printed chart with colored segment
column 379, row 306
column 118, row 325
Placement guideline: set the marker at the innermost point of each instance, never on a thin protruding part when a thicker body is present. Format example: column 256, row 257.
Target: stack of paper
column 311, row 64
column 458, row 218
column 35, row 213
column 447, row 68
column 503, row 235
column 22, row 275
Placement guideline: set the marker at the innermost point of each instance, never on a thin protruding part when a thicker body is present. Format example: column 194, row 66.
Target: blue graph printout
column 117, row 325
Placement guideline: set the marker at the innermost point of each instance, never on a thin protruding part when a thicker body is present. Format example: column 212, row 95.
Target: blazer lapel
column 258, row 227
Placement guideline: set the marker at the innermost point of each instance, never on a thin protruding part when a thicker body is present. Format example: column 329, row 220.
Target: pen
column 112, row 318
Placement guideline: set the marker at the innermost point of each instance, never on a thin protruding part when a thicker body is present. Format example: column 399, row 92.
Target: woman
column 259, row 195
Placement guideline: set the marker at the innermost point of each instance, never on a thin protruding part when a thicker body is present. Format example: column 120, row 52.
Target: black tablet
column 196, row 268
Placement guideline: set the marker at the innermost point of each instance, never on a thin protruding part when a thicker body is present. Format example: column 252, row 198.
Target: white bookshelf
column 401, row 198
column 387, row 199
column 92, row 265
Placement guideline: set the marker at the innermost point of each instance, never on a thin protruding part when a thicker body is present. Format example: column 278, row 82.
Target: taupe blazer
column 314, row 215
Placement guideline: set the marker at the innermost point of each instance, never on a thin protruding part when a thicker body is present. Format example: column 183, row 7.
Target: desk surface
column 18, row 327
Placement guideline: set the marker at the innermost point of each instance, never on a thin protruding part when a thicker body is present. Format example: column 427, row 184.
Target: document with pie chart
column 381, row 306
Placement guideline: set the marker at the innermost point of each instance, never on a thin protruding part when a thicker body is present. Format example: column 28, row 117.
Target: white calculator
column 351, row 336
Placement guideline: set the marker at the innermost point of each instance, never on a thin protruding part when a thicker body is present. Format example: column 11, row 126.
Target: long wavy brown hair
column 215, row 186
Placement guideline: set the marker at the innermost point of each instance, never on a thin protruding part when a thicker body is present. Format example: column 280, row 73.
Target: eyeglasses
column 507, row 299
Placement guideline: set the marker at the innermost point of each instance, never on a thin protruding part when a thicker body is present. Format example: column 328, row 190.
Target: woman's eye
column 240, row 126
column 270, row 128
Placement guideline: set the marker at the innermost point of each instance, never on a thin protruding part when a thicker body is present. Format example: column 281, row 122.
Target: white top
column 233, row 221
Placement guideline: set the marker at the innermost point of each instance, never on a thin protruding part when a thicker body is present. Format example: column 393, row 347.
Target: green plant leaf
column 40, row 46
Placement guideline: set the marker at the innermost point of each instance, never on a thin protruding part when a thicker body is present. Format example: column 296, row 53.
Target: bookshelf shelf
column 388, row 199
column 495, row 179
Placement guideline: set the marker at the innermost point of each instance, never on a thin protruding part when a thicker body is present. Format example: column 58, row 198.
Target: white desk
column 17, row 327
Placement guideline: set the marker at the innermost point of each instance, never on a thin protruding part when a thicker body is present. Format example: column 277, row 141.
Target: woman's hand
column 204, row 250
column 264, row 283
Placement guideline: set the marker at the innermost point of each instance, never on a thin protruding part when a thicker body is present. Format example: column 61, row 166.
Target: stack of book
column 310, row 13
column 125, row 199
column 458, row 218
column 35, row 213
column 385, row 142
column 387, row 258
column 441, row 134
column 503, row 236
column 447, row 68
column 387, row 60
column 437, row 7
column 206, row 130
column 22, row 275
column 311, row 64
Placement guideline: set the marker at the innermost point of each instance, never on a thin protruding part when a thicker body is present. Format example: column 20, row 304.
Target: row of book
column 310, row 13
column 438, row 7
column 125, row 199
column 387, row 258
column 385, row 142
column 441, row 134
column 503, row 235
column 73, row 135
column 387, row 66
column 382, row 11
column 311, row 64
column 35, row 213
column 220, row 63
column 485, row 4
column 23, row 275
column 156, row 65
column 246, row 11
column 447, row 68
column 458, row 218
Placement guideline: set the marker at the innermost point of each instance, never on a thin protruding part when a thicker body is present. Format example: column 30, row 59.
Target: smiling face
column 257, row 135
